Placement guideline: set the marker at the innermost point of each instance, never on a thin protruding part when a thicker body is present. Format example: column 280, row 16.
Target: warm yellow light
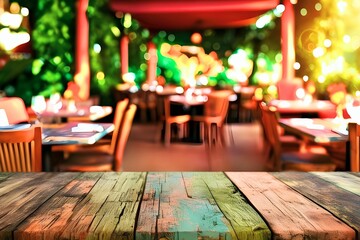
column 279, row 10
column 300, row 93
column 272, row 89
column 342, row 5
column 318, row 52
column 129, row 77
column 347, row 39
column 15, row 8
column 11, row 20
column 297, row 65
column 321, row 79
column 258, row 94
column 196, row 38
column 127, row 20
column 303, row 12
column 24, row 11
column 100, row 75
column 318, row 6
column 327, row 43
column 10, row 40
column 263, row 21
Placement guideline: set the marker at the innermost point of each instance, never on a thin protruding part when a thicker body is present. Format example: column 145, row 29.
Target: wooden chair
column 111, row 160
column 20, row 150
column 15, row 109
column 213, row 119
column 171, row 119
column 291, row 160
column 354, row 136
column 288, row 142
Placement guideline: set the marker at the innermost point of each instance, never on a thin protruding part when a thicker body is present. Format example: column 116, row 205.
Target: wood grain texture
column 342, row 204
column 288, row 214
column 215, row 186
column 168, row 212
column 343, row 180
column 23, row 193
column 92, row 206
column 4, row 176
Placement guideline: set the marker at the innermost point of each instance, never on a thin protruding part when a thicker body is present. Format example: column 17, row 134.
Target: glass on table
column 38, row 105
column 55, row 102
column 353, row 109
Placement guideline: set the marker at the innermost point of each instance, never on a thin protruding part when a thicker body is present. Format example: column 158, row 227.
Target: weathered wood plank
column 216, row 187
column 22, row 193
column 167, row 211
column 342, row 204
column 49, row 220
column 92, row 206
column 4, row 176
column 288, row 214
column 343, row 180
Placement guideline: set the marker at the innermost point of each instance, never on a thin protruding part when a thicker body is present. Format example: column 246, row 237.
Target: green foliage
column 350, row 78
column 52, row 39
column 53, row 44
column 104, row 39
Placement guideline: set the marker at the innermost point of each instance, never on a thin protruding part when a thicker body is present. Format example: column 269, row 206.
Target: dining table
column 70, row 133
column 324, row 131
column 180, row 205
column 79, row 113
column 302, row 108
column 192, row 105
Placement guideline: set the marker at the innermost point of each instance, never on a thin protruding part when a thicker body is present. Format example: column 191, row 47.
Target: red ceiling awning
column 192, row 14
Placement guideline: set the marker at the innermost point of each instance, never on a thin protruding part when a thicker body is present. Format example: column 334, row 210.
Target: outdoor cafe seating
column 40, row 151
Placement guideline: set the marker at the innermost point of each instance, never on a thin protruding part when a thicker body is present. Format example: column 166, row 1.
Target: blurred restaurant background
column 41, row 51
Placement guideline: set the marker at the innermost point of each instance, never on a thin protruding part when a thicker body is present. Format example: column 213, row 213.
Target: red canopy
column 192, row 14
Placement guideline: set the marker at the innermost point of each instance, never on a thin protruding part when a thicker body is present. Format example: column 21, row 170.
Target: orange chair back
column 269, row 119
column 120, row 110
column 217, row 104
column 124, row 135
column 354, row 137
column 15, row 109
column 20, row 150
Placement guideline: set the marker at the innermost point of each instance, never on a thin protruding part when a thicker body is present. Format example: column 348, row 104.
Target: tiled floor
column 144, row 151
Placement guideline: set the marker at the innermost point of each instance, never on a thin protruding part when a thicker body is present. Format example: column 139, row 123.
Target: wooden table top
column 75, row 133
column 82, row 113
column 297, row 106
column 316, row 129
column 180, row 205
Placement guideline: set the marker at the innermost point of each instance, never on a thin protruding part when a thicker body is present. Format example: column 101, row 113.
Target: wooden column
column 152, row 62
column 82, row 65
column 124, row 54
column 286, row 87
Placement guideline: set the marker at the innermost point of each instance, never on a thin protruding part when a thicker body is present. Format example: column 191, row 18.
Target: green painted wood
column 341, row 203
column 215, row 186
column 288, row 214
column 23, row 193
column 4, row 176
column 168, row 212
column 92, row 206
column 349, row 182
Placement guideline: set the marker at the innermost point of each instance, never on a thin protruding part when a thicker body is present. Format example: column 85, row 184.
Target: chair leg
column 222, row 135
column 167, row 137
column 206, row 134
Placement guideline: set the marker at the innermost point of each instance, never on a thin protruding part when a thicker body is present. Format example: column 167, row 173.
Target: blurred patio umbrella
column 192, row 15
